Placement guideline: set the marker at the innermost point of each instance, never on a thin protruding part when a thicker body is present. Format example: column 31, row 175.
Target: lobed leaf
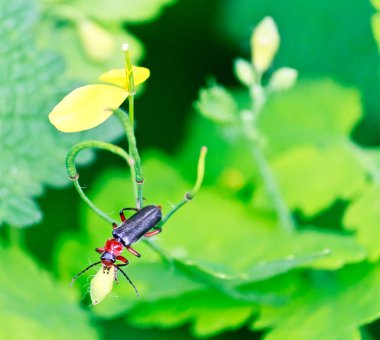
column 123, row 10
column 321, row 113
column 311, row 178
column 205, row 253
column 32, row 153
column 33, row 305
column 330, row 306
column 362, row 217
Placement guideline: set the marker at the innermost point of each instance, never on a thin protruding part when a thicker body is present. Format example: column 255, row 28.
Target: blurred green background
column 322, row 141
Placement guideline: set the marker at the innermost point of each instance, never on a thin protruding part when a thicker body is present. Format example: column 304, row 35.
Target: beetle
column 143, row 223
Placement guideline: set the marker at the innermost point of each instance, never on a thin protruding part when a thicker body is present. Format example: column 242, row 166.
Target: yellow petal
column 101, row 285
column 87, row 107
column 118, row 77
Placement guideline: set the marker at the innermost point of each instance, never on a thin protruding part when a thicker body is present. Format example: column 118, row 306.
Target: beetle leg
column 114, row 225
column 122, row 216
column 122, row 259
column 134, row 252
column 115, row 275
column 125, row 262
column 99, row 250
column 153, row 232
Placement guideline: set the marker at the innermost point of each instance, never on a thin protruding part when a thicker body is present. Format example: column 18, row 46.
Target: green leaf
column 217, row 104
column 319, row 113
column 32, row 152
column 210, row 312
column 81, row 63
column 323, row 57
column 123, row 10
column 311, row 179
column 330, row 306
column 205, row 251
column 363, row 216
column 33, row 305
column 90, row 35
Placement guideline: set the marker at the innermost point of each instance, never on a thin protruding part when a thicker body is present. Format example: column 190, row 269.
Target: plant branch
column 138, row 175
column 73, row 174
column 285, row 218
column 284, row 215
column 190, row 194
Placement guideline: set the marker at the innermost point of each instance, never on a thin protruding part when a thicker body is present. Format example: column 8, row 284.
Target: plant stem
column 286, row 221
column 284, row 215
column 131, row 83
column 190, row 194
column 89, row 202
column 73, row 174
column 138, row 175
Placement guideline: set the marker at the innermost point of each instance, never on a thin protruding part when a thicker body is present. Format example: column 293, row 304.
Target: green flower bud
column 265, row 42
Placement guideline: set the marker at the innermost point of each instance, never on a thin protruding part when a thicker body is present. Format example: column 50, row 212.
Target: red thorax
column 114, row 247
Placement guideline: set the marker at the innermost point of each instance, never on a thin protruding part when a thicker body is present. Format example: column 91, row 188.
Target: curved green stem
column 73, row 174
column 139, row 179
column 89, row 202
column 190, row 194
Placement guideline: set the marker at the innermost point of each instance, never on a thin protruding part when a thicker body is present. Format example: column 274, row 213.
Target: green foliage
column 362, row 216
column 224, row 261
column 42, row 308
column 327, row 306
column 123, row 10
column 89, row 34
column 321, row 113
column 189, row 285
column 32, row 152
column 306, row 131
column 340, row 49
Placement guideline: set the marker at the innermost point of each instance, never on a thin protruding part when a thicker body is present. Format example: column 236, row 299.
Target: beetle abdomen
column 137, row 225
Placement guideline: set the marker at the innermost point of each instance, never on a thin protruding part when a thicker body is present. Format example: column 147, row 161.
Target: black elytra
column 136, row 226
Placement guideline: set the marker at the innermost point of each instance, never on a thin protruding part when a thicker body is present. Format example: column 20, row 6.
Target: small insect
column 142, row 223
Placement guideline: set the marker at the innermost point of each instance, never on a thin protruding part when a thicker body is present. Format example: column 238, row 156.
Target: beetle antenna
column 84, row 270
column 129, row 280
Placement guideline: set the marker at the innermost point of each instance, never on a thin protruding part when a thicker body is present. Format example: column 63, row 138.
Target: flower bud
column 244, row 72
column 283, row 79
column 265, row 41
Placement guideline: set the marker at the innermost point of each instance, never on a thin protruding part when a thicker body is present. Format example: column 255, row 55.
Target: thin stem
column 285, row 218
column 74, row 151
column 139, row 179
column 129, row 128
column 284, row 215
column 73, row 174
column 131, row 82
column 89, row 202
column 190, row 194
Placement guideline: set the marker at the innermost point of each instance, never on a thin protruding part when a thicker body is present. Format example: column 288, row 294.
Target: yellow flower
column 89, row 106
